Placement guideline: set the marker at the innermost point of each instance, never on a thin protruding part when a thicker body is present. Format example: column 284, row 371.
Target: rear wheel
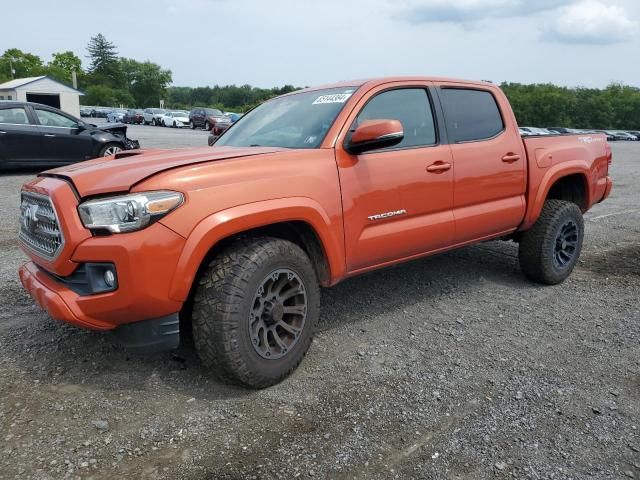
column 551, row 248
column 255, row 310
column 207, row 127
column 153, row 122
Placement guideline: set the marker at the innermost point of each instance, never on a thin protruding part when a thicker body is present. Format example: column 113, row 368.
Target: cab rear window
column 471, row 115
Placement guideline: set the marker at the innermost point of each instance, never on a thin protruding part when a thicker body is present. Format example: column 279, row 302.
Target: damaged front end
column 119, row 130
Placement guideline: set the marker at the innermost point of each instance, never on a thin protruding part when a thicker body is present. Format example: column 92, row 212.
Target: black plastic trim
column 154, row 335
column 87, row 279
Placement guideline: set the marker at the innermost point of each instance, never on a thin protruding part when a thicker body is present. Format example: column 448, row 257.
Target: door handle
column 438, row 167
column 49, row 135
column 511, row 157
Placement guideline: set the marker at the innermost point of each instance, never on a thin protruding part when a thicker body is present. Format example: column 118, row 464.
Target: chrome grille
column 39, row 227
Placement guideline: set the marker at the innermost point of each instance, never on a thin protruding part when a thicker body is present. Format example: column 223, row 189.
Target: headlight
column 128, row 212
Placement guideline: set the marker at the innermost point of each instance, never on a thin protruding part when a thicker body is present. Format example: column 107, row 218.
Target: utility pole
column 13, row 72
column 74, row 79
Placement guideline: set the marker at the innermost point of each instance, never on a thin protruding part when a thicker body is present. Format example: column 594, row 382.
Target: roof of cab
column 372, row 82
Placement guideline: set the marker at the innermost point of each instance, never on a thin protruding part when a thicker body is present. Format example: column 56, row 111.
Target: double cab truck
column 232, row 243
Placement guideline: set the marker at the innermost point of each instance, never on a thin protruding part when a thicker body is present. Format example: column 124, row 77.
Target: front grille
column 39, row 228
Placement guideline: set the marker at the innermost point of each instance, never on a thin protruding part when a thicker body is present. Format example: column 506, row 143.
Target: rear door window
column 471, row 115
column 14, row 115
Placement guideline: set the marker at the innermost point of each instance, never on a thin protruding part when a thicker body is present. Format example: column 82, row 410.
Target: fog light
column 109, row 278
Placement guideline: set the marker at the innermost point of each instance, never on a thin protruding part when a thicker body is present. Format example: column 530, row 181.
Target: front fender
column 220, row 225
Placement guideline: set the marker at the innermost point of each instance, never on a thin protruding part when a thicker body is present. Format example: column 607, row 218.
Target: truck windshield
column 299, row 120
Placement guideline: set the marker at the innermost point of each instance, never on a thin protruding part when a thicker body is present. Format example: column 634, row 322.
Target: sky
column 309, row 42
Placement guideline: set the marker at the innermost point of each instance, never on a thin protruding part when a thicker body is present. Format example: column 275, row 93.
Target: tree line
column 543, row 105
column 111, row 80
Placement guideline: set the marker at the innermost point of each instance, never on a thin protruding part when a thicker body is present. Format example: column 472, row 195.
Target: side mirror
column 81, row 125
column 374, row 134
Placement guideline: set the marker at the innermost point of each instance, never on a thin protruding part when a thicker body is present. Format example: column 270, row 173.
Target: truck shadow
column 54, row 353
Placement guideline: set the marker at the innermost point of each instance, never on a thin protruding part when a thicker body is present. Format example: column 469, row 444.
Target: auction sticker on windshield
column 335, row 98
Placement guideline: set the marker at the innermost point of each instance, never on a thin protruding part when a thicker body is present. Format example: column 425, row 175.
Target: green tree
column 103, row 95
column 23, row 64
column 63, row 64
column 146, row 81
column 104, row 66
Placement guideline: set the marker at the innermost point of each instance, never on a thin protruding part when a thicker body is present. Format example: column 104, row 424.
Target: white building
column 42, row 90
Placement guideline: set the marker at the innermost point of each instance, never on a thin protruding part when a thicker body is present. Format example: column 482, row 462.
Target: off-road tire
column 223, row 301
column 538, row 245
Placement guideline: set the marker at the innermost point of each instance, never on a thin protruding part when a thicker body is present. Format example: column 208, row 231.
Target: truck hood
column 122, row 172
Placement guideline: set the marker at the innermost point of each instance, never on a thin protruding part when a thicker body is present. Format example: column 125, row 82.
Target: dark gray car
column 35, row 135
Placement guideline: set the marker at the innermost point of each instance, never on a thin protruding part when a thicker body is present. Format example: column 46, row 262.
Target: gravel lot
column 453, row 367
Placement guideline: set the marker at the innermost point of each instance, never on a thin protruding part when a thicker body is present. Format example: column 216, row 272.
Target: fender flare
column 554, row 174
column 225, row 223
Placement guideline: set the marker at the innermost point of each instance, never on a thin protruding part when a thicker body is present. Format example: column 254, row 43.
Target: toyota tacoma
column 232, row 243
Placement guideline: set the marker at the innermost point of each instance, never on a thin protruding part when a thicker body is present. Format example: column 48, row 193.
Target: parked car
column 156, row 120
column 610, row 137
column 85, row 111
column 152, row 115
column 34, row 135
column 116, row 115
column 536, row 131
column 201, row 117
column 176, row 119
column 100, row 112
column 558, row 129
column 222, row 123
column 635, row 133
column 308, row 189
column 234, row 117
column 625, row 136
column 134, row 116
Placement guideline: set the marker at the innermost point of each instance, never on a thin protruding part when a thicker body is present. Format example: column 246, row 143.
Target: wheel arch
column 569, row 183
column 304, row 224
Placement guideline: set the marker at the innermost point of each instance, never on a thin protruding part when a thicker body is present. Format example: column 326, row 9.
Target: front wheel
column 192, row 125
column 110, row 149
column 255, row 309
column 551, row 248
column 207, row 127
column 153, row 122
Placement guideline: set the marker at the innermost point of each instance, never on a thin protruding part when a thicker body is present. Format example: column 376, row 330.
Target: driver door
column 63, row 141
column 397, row 201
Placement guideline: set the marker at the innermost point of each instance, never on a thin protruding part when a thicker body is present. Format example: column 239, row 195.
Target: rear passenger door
column 490, row 173
column 20, row 139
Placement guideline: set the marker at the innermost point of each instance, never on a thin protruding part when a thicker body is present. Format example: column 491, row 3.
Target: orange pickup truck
column 232, row 243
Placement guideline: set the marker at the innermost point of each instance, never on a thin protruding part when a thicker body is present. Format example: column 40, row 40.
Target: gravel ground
column 453, row 367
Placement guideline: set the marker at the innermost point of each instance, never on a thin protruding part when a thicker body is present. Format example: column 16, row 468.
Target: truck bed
column 550, row 156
